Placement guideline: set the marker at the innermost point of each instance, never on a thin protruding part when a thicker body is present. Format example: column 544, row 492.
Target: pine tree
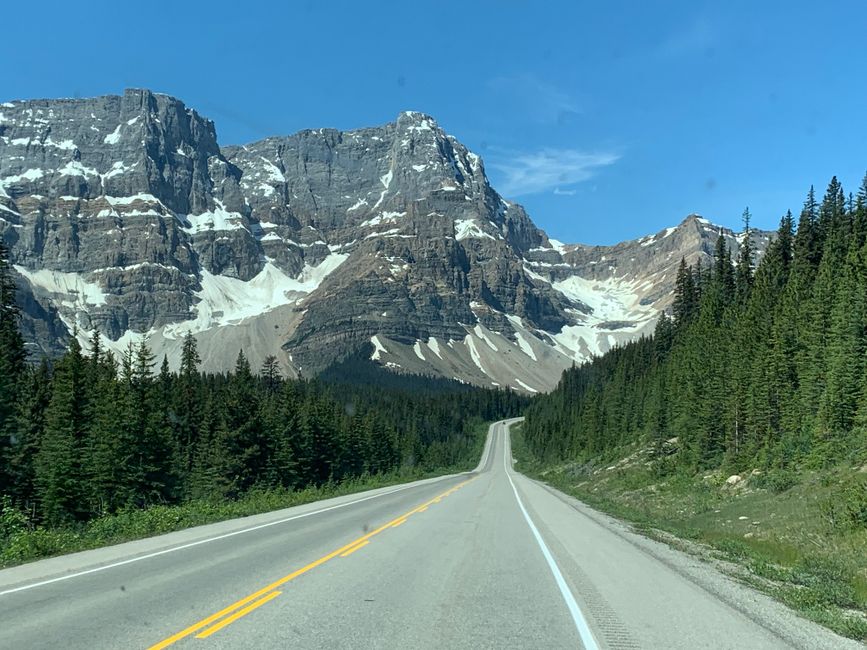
column 818, row 310
column 153, row 450
column 33, row 402
column 105, row 456
column 59, row 473
column 188, row 406
column 807, row 244
column 859, row 215
column 242, row 449
column 845, row 349
column 723, row 279
column 744, row 269
column 12, row 358
column 685, row 291
column 270, row 373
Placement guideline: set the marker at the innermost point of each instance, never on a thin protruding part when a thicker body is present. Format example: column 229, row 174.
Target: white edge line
column 487, row 450
column 577, row 616
column 205, row 541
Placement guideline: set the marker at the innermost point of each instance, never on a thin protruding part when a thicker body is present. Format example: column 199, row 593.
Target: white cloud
column 560, row 192
column 541, row 101
column 547, row 170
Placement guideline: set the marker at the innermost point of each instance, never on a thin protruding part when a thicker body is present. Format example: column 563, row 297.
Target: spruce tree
column 270, row 373
column 744, row 268
column 188, row 406
column 684, row 306
column 33, row 399
column 12, row 358
column 859, row 215
column 61, row 482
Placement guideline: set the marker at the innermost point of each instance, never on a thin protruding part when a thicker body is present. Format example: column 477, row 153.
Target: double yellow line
column 217, row 621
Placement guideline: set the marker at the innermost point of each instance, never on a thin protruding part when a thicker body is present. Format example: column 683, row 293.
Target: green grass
column 798, row 537
column 20, row 542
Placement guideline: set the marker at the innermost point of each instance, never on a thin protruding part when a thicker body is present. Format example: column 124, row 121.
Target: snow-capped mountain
column 124, row 215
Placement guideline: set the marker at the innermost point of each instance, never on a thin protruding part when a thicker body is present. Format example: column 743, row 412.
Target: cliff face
column 124, row 215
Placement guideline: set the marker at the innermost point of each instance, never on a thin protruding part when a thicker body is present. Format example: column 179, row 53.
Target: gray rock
column 124, row 215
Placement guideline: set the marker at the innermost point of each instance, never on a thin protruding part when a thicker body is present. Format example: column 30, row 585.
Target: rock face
column 124, row 215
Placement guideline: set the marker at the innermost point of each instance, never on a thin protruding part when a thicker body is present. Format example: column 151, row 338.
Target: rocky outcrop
column 124, row 215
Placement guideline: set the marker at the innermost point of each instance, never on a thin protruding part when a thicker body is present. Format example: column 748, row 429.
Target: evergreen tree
column 33, row 399
column 12, row 357
column 685, row 296
column 242, row 457
column 859, row 215
column 59, row 468
column 723, row 278
column 744, row 269
column 187, row 410
column 773, row 373
column 270, row 373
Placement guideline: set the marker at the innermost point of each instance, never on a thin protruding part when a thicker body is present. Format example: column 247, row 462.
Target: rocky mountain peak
column 124, row 215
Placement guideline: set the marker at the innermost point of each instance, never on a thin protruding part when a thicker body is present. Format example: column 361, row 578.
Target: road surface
column 487, row 559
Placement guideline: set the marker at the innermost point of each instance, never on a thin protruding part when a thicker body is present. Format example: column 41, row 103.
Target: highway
column 485, row 559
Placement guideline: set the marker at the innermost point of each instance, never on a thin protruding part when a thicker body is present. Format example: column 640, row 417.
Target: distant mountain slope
column 124, row 215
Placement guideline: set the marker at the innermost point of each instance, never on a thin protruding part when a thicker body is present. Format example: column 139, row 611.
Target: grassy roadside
column 800, row 538
column 20, row 542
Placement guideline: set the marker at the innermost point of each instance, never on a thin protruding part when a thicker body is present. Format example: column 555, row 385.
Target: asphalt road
column 488, row 559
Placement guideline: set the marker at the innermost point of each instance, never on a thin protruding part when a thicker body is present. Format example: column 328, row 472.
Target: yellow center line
column 205, row 622
column 355, row 548
column 234, row 617
column 398, row 522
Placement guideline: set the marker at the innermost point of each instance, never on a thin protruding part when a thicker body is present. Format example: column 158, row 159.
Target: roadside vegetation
column 22, row 541
column 96, row 449
column 800, row 537
column 742, row 422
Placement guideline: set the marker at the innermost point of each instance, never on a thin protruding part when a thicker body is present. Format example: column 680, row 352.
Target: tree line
column 757, row 365
column 90, row 434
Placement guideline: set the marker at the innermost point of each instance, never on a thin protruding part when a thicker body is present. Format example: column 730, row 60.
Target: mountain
column 123, row 214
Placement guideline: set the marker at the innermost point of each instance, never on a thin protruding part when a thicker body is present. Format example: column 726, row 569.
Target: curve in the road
column 506, row 563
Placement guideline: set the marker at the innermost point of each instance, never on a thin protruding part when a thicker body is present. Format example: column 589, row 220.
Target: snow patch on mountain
column 525, row 346
column 480, row 332
column 70, row 289
column 225, row 300
column 217, row 219
column 113, row 137
column 386, row 183
column 469, row 228
column 274, row 173
column 526, row 386
column 474, row 353
column 378, row 349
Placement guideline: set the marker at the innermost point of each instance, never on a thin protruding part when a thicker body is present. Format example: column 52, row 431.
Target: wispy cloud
column 698, row 36
column 560, row 192
column 547, row 170
column 542, row 101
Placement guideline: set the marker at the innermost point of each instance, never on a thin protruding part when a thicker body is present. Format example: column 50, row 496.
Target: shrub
column 12, row 520
column 846, row 508
column 776, row 480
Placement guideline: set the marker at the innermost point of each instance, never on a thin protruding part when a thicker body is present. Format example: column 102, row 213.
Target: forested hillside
column 759, row 367
column 93, row 435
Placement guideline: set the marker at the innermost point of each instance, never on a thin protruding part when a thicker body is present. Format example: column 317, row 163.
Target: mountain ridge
column 123, row 214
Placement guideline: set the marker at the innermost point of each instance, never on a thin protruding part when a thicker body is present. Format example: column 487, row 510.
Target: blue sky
column 607, row 120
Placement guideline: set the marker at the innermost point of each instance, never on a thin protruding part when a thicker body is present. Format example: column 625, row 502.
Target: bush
column 12, row 521
column 776, row 480
column 847, row 506
column 828, row 581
